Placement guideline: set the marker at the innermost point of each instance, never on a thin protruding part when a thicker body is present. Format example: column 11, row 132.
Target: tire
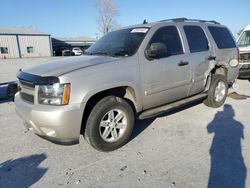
column 110, row 124
column 217, row 92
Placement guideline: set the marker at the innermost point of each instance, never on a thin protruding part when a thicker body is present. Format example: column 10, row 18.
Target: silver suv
column 135, row 72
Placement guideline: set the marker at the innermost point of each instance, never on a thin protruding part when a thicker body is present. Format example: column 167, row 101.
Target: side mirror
column 156, row 50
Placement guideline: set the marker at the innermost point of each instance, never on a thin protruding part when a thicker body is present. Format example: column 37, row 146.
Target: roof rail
column 210, row 21
column 174, row 20
column 192, row 20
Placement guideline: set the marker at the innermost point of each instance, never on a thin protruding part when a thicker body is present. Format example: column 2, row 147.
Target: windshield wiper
column 122, row 53
column 102, row 53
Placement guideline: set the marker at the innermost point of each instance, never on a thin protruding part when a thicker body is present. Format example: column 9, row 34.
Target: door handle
column 211, row 58
column 183, row 63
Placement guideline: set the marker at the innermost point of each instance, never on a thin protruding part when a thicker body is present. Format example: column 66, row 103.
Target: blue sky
column 78, row 17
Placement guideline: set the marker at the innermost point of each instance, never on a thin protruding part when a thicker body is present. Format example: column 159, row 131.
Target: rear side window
column 197, row 39
column 170, row 37
column 222, row 37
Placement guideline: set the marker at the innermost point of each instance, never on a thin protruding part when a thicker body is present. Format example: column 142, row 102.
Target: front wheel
column 217, row 92
column 109, row 124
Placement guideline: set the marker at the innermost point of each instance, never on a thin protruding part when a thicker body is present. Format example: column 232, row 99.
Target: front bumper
column 78, row 53
column 245, row 70
column 59, row 124
column 244, row 73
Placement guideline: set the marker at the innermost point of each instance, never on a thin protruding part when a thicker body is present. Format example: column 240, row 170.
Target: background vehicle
column 77, row 51
column 243, row 43
column 67, row 52
column 135, row 72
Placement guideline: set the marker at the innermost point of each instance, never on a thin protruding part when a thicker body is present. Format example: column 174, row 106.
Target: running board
column 163, row 109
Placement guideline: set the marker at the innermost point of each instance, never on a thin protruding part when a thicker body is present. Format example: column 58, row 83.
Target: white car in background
column 243, row 43
column 77, row 51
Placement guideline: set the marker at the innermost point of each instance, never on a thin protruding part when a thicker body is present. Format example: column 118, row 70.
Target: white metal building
column 24, row 42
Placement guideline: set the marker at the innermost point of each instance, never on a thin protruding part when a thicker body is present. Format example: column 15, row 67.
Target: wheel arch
column 222, row 70
column 218, row 69
column 126, row 92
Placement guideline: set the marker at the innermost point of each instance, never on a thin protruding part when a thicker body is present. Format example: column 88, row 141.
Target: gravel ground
column 193, row 147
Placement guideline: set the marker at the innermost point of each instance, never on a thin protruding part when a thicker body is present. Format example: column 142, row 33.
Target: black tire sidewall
column 92, row 127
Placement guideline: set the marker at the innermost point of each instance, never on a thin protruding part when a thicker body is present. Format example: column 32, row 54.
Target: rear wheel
column 109, row 124
column 217, row 92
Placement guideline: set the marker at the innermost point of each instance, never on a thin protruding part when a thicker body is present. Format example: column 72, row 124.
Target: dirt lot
column 193, row 147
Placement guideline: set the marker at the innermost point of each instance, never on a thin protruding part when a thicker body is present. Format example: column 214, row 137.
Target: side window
column 170, row 37
column 222, row 37
column 196, row 38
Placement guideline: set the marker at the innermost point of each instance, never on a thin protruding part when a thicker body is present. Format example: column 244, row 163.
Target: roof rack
column 192, row 20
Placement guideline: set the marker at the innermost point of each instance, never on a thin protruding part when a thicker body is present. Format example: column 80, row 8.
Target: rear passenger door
column 199, row 54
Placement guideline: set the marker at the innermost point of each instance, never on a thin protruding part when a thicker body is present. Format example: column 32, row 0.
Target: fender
column 138, row 100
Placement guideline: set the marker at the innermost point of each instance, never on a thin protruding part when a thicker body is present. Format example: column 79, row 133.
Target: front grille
column 26, row 90
column 245, row 57
column 245, row 66
column 27, row 97
column 27, row 84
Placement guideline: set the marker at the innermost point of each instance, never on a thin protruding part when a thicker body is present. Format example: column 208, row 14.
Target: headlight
column 56, row 94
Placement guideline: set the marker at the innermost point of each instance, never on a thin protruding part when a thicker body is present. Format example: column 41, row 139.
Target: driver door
column 168, row 78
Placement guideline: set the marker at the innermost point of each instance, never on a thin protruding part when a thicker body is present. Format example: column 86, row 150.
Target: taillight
column 235, row 62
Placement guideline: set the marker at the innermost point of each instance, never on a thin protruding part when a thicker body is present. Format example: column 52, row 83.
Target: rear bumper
column 232, row 74
column 59, row 124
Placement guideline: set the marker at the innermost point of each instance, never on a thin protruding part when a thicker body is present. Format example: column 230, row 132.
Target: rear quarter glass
column 222, row 37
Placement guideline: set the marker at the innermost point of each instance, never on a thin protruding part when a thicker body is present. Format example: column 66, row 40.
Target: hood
column 244, row 49
column 69, row 64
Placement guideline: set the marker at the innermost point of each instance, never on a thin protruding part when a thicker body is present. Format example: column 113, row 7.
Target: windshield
column 244, row 39
column 123, row 42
